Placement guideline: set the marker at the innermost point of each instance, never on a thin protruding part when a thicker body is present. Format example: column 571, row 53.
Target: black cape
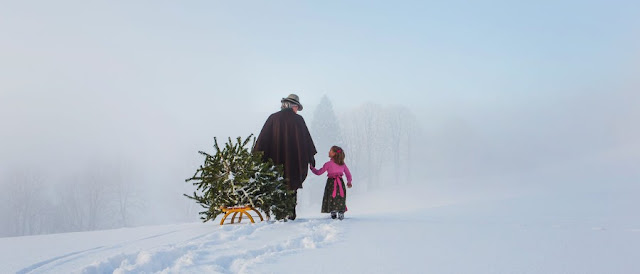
column 285, row 139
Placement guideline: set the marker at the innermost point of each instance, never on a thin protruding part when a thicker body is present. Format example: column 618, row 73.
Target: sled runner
column 238, row 209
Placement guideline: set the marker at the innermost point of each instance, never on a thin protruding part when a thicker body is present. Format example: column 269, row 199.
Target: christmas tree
column 234, row 176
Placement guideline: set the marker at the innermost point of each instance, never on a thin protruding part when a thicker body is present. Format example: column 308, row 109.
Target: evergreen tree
column 234, row 176
column 325, row 128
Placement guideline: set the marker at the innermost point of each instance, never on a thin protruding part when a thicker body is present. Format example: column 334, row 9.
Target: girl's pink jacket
column 335, row 170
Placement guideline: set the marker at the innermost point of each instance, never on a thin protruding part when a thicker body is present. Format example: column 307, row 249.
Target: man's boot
column 293, row 215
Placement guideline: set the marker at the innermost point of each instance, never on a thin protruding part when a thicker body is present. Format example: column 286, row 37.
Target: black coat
column 285, row 139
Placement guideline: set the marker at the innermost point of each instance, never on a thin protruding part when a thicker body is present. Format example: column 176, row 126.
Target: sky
column 147, row 84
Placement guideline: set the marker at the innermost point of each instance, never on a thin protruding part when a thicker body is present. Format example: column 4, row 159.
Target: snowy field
column 478, row 231
column 483, row 136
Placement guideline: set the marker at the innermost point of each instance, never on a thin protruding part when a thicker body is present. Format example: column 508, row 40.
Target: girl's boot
column 333, row 214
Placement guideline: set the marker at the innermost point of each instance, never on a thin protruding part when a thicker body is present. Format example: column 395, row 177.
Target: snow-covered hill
column 473, row 233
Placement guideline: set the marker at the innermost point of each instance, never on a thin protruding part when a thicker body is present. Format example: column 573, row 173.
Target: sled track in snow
column 40, row 264
column 61, row 260
column 227, row 250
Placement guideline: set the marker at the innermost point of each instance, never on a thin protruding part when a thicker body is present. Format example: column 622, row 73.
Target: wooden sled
column 238, row 209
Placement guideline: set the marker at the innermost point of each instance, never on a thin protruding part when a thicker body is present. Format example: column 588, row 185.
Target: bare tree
column 125, row 196
column 366, row 137
column 95, row 197
column 71, row 207
column 403, row 129
column 84, row 199
column 24, row 200
column 378, row 142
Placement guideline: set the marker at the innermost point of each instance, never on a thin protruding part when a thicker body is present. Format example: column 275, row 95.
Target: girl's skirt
column 337, row 203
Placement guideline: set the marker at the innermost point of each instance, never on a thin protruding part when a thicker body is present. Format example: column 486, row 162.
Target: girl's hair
column 339, row 155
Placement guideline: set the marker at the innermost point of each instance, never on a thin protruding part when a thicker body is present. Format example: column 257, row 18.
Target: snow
column 442, row 230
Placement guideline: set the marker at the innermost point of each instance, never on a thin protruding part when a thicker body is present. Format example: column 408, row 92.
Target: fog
column 123, row 95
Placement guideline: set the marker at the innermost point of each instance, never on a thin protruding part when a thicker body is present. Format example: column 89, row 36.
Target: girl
column 335, row 195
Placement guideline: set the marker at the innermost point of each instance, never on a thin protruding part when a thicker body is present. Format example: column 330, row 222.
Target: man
column 286, row 140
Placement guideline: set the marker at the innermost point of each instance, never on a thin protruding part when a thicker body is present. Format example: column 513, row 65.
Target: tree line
column 98, row 198
column 380, row 142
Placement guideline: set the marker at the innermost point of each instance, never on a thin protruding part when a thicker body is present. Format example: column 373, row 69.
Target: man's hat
column 293, row 99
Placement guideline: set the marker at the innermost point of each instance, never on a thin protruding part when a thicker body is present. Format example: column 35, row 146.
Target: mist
column 104, row 106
